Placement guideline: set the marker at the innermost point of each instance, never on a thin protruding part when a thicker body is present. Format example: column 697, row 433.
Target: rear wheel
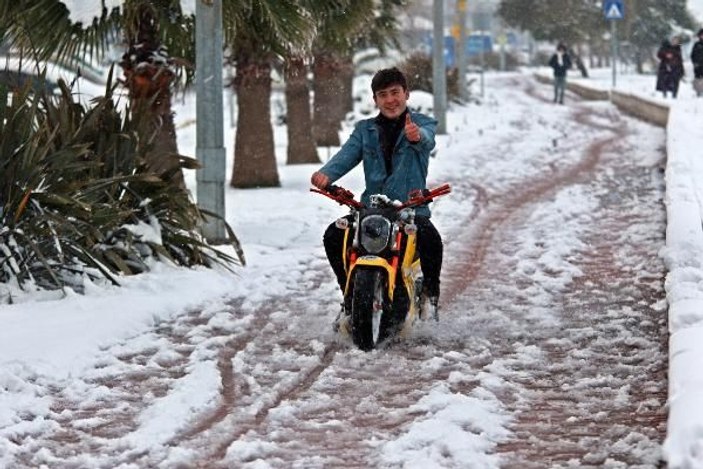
column 369, row 301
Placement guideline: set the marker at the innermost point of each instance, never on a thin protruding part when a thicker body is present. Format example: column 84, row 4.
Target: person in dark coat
column 697, row 60
column 560, row 63
column 670, row 69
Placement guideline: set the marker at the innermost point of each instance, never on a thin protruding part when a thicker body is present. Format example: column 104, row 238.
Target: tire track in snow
column 214, row 432
column 469, row 258
column 599, row 399
column 305, row 380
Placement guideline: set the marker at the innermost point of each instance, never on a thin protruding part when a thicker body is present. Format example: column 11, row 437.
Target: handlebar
column 339, row 195
column 426, row 196
column 346, row 197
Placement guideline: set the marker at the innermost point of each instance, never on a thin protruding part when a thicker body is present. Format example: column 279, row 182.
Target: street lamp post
column 210, row 150
column 614, row 11
column 439, row 74
column 460, row 50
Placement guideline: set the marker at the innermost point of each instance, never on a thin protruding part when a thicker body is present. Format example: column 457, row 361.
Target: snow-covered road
column 551, row 351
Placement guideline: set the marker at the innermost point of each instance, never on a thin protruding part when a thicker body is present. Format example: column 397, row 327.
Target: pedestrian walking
column 697, row 60
column 670, row 70
column 560, row 63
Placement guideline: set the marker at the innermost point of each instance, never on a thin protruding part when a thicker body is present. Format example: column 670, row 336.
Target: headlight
column 375, row 233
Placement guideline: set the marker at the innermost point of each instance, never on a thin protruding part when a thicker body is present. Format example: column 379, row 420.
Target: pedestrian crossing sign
column 614, row 9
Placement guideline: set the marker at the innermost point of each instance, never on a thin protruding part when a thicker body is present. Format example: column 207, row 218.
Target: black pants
column 429, row 248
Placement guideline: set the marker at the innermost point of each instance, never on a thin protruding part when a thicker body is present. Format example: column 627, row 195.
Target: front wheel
column 369, row 299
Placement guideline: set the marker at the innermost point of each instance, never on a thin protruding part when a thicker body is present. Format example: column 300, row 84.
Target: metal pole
column 439, row 74
column 614, row 47
column 483, row 64
column 503, row 39
column 210, row 150
column 461, row 52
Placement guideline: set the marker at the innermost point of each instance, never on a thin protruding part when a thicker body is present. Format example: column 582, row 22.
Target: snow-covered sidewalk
column 683, row 256
column 48, row 343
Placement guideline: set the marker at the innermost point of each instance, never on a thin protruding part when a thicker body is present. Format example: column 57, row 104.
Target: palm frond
column 76, row 200
column 266, row 27
column 45, row 30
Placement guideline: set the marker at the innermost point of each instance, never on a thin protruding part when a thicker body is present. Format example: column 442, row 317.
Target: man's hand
column 320, row 180
column 412, row 131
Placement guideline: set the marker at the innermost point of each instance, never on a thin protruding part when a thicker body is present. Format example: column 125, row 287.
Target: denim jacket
column 410, row 160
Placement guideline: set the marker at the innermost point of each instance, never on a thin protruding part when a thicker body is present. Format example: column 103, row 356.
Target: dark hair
column 561, row 46
column 700, row 31
column 388, row 77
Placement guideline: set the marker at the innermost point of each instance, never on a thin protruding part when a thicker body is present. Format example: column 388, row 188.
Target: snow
column 449, row 415
column 70, row 343
column 85, row 11
column 696, row 7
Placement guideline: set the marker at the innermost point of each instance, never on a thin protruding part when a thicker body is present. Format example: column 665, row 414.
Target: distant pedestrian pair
column 671, row 70
column 560, row 63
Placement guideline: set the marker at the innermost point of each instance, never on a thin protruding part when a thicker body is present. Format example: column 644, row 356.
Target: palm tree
column 256, row 35
column 302, row 147
column 363, row 22
column 332, row 53
column 301, row 144
column 160, row 47
column 153, row 31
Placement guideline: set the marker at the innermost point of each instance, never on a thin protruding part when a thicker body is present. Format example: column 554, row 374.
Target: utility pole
column 210, row 150
column 461, row 52
column 614, row 49
column 439, row 73
column 614, row 11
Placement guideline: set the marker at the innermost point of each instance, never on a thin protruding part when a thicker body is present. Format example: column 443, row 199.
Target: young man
column 560, row 63
column 394, row 148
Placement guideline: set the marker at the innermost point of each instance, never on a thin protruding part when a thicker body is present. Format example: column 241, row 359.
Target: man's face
column 391, row 101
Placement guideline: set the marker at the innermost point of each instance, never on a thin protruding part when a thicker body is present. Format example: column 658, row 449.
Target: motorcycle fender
column 375, row 262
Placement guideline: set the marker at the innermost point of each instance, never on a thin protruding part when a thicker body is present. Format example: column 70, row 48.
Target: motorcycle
column 384, row 278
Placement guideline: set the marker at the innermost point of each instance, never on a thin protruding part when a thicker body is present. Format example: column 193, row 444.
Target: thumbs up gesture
column 412, row 131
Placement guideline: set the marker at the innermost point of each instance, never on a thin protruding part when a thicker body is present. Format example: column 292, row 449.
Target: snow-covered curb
column 683, row 447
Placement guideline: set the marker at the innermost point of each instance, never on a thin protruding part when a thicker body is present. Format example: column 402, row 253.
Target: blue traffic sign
column 614, row 9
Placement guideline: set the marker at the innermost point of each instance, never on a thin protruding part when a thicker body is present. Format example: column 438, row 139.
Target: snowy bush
column 76, row 200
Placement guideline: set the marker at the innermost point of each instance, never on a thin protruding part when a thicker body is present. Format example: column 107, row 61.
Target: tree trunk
column 254, row 155
column 328, row 101
column 579, row 63
column 301, row 143
column 639, row 62
column 149, row 83
column 347, row 88
column 153, row 103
